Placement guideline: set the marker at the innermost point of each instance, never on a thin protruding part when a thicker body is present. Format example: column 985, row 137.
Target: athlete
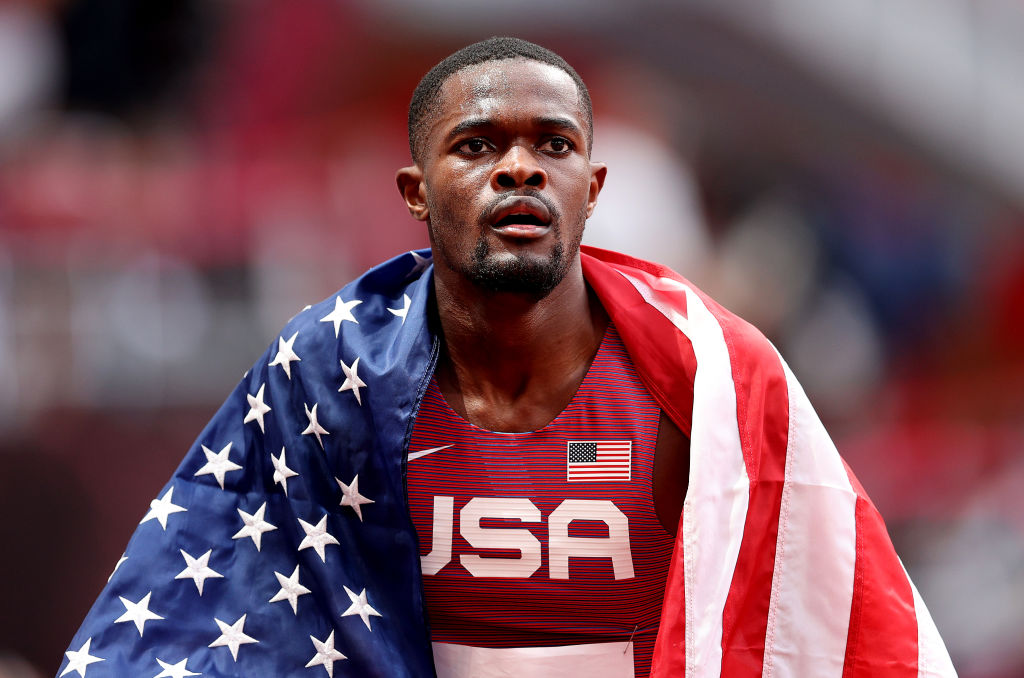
column 505, row 182
column 511, row 455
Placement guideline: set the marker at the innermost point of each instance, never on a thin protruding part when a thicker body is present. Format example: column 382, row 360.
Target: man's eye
column 473, row 146
column 558, row 145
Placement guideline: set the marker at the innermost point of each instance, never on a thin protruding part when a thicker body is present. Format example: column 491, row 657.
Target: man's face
column 507, row 182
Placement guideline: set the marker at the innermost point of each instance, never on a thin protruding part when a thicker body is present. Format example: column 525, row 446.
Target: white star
column 352, row 381
column 119, row 562
column 420, row 265
column 281, row 471
column 178, row 670
column 360, row 606
column 317, row 537
column 161, row 508
column 350, row 496
column 326, row 655
column 257, row 408
column 197, row 569
column 285, row 355
column 137, row 612
column 314, row 426
column 342, row 312
column 79, row 660
column 291, row 589
column 232, row 636
column 255, row 526
column 217, row 464
column 404, row 311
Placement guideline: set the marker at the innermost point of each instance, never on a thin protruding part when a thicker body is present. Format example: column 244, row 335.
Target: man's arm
column 671, row 473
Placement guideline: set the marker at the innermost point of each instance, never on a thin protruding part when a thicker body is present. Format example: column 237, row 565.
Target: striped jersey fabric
column 516, row 555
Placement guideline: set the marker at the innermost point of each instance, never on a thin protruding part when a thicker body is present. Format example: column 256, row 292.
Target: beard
column 535, row 275
column 529, row 273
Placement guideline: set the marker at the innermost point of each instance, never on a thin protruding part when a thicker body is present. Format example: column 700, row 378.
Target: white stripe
column 932, row 657
column 812, row 586
column 715, row 509
column 651, row 289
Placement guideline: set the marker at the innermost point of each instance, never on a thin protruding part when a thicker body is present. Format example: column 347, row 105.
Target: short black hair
column 425, row 95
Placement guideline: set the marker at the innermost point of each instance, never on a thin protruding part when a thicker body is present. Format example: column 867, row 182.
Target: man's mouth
column 519, row 220
column 521, row 216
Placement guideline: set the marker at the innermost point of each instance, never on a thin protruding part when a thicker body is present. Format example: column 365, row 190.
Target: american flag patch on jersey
column 598, row 460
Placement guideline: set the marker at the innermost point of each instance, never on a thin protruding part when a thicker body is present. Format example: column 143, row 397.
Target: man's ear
column 598, row 170
column 414, row 191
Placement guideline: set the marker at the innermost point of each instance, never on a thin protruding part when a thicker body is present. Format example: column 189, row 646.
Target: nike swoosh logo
column 423, row 453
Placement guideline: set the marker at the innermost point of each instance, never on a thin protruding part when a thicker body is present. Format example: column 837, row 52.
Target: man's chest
column 541, row 539
column 515, row 510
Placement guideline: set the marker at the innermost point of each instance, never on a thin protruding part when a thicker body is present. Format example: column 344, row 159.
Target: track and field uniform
column 541, row 551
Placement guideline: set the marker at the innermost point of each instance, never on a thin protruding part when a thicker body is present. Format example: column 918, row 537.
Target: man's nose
column 518, row 167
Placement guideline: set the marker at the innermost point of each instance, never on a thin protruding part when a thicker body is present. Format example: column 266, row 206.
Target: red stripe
column 669, row 659
column 598, row 477
column 666, row 353
column 882, row 640
column 606, row 469
column 762, row 412
column 592, row 479
column 609, row 459
column 606, row 476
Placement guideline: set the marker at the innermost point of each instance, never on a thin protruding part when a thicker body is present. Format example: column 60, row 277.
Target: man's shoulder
column 379, row 296
column 360, row 351
column 669, row 325
column 632, row 285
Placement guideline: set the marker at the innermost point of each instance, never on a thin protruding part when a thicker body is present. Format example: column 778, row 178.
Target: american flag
column 283, row 546
column 598, row 460
column 262, row 555
column 783, row 566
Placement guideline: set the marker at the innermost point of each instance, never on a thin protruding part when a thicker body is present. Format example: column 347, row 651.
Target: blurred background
column 178, row 178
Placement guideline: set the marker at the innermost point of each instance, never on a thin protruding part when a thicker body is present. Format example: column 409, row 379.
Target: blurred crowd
column 177, row 179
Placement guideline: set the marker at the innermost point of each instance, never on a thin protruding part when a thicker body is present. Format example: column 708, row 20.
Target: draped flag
column 282, row 545
column 782, row 565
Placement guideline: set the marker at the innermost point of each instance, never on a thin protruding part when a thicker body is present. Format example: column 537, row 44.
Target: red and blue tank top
column 541, row 551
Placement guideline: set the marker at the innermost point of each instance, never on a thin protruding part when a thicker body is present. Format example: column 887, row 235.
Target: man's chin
column 520, row 273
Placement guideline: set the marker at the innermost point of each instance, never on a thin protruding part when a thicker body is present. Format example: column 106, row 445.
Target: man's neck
column 512, row 362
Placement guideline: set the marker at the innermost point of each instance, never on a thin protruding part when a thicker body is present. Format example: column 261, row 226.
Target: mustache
column 528, row 192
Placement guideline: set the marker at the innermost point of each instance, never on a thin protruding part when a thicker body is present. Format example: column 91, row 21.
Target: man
column 608, row 475
column 503, row 177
